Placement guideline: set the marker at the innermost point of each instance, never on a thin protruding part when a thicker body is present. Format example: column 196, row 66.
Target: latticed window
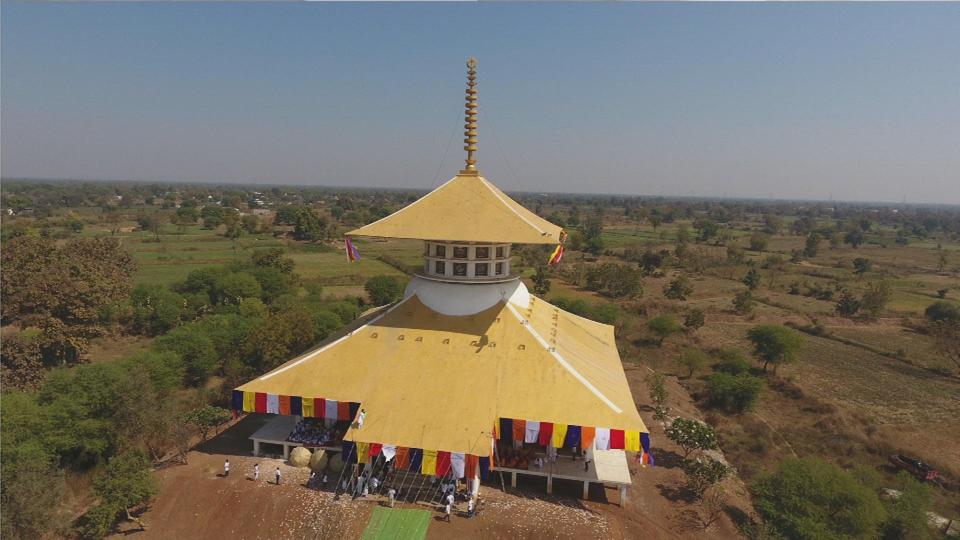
column 439, row 267
column 460, row 269
column 483, row 253
column 481, row 269
column 440, row 251
column 459, row 252
column 500, row 252
column 499, row 269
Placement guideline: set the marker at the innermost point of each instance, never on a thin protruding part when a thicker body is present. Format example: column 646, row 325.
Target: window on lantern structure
column 481, row 269
column 440, row 251
column 499, row 252
column 499, row 269
column 459, row 252
column 483, row 253
column 439, row 267
column 460, row 269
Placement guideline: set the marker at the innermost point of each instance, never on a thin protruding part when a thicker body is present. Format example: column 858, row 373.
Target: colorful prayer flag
column 616, row 439
column 443, row 463
column 343, row 411
column 296, row 405
column 546, row 433
column 429, row 463
column 375, row 449
column 587, row 434
column 284, row 404
column 249, row 402
column 645, row 444
column 307, row 407
column 559, row 434
column 519, row 429
column 237, row 400
column 352, row 253
column 556, row 255
column 416, row 459
column 402, row 461
column 631, row 441
column 261, row 402
column 363, row 450
column 573, row 437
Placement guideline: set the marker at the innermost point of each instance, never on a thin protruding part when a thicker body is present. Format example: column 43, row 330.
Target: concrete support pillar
column 286, row 452
column 586, row 489
column 549, row 484
column 256, row 447
column 513, row 479
column 623, row 495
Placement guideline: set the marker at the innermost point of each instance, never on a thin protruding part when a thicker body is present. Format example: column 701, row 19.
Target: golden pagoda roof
column 440, row 382
column 467, row 208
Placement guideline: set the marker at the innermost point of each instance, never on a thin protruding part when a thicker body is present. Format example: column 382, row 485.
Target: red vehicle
column 915, row 467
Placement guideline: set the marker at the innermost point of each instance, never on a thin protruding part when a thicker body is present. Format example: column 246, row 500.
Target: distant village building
column 469, row 372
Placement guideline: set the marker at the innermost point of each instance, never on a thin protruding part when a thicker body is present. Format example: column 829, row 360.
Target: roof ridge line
column 414, row 203
column 512, row 209
column 559, row 358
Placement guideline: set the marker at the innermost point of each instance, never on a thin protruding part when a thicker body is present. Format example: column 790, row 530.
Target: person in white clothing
column 226, row 468
column 256, row 472
column 470, row 508
column 360, row 418
column 276, row 475
column 374, row 482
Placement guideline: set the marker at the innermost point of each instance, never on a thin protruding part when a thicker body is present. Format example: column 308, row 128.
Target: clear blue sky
column 854, row 101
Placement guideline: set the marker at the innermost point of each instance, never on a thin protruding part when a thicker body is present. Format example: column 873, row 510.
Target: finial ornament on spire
column 470, row 118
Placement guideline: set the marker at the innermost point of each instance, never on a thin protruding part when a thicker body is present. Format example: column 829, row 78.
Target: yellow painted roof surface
column 439, row 382
column 465, row 209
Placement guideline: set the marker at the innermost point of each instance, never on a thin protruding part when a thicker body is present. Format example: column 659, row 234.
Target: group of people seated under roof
column 318, row 432
column 527, row 456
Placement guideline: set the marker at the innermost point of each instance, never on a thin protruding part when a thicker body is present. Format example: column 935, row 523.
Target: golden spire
column 470, row 118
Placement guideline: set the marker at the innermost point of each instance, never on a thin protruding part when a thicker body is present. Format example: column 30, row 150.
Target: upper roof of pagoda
column 468, row 208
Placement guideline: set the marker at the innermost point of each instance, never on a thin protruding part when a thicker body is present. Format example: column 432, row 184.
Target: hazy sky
column 850, row 101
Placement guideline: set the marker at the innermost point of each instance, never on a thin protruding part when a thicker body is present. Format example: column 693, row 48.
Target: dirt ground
column 196, row 501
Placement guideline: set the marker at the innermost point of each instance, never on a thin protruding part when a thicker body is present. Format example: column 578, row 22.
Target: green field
column 397, row 524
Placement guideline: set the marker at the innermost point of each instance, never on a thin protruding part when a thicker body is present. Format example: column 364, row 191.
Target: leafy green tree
column 273, row 282
column 812, row 499
column 234, row 287
column 194, row 347
column 706, row 229
column 775, row 344
column 752, row 279
column 663, row 326
column 743, row 302
column 679, row 288
column 694, row 319
column 21, row 362
column 33, row 489
column 735, row 393
column 156, row 309
column 759, row 241
column 692, row 360
column 592, row 233
column 703, row 473
column 273, row 258
column 692, row 435
column 812, row 245
column 854, row 237
column 383, row 290
column 127, row 482
column 212, row 216
column 250, row 224
column 650, row 261
column 876, row 298
column 63, row 290
column 310, row 226
column 861, row 266
column 847, row 305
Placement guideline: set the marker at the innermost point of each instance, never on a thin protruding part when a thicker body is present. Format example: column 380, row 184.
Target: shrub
column 678, row 289
column 943, row 311
column 735, row 393
column 663, row 326
column 156, row 309
column 702, row 473
column 743, row 302
column 196, row 348
column 694, row 319
column 732, row 361
column 692, row 435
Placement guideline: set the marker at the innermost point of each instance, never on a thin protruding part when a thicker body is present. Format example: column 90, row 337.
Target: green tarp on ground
column 397, row 524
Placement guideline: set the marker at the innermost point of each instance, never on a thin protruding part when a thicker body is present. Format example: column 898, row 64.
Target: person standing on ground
column 277, row 475
column 470, row 508
column 391, row 494
column 256, row 472
column 226, row 468
column 325, row 480
column 446, row 510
